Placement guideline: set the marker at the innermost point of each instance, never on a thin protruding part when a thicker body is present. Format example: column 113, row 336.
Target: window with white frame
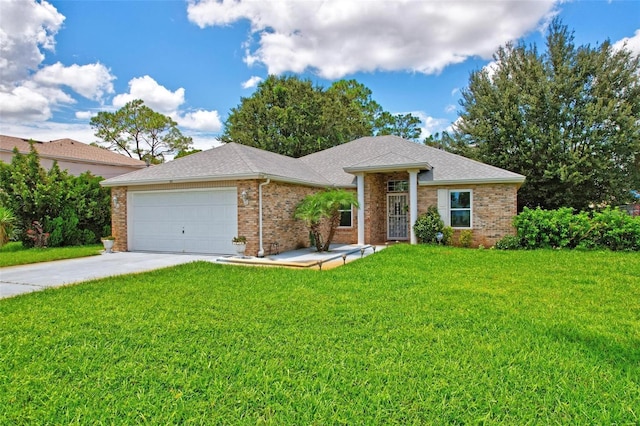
column 397, row 186
column 346, row 217
column 460, row 209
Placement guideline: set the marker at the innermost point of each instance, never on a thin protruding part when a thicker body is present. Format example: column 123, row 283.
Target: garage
column 183, row 221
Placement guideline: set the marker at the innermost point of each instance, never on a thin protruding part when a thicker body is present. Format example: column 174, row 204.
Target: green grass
column 15, row 254
column 410, row 335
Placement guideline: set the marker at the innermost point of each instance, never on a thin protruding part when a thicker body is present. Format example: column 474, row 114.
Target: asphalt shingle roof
column 445, row 167
column 325, row 168
column 227, row 162
column 70, row 150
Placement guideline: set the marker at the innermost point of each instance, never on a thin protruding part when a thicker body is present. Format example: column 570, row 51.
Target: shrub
column 611, row 228
column 72, row 209
column 428, row 225
column 616, row 230
column 447, row 235
column 509, row 242
column 466, row 238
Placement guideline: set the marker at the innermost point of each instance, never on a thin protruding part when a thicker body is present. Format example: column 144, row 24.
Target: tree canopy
column 293, row 117
column 567, row 119
column 140, row 132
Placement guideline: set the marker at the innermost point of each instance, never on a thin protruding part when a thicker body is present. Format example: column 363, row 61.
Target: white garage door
column 197, row 221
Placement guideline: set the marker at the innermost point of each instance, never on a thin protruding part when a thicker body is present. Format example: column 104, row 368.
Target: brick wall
column 119, row 217
column 493, row 209
column 279, row 201
column 494, row 206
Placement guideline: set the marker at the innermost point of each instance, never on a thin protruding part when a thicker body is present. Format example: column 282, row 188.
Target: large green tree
column 568, row 119
column 140, row 132
column 294, row 117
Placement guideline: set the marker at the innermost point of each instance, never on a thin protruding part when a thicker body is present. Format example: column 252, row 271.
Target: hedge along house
column 198, row 203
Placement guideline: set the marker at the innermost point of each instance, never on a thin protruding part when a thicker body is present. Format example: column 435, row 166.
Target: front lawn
column 410, row 335
column 16, row 254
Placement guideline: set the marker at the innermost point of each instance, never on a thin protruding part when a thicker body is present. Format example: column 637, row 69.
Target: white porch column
column 360, row 183
column 413, row 203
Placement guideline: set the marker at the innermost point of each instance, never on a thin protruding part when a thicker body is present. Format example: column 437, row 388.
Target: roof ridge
column 242, row 155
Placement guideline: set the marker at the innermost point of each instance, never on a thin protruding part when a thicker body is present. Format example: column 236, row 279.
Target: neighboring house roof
column 331, row 167
column 69, row 150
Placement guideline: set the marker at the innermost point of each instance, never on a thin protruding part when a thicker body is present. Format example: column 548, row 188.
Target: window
column 345, row 217
column 460, row 209
column 397, row 186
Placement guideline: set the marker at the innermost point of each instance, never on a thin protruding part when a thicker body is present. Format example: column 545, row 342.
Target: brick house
column 200, row 202
column 73, row 156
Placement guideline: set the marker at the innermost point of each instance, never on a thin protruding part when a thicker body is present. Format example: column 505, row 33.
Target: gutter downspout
column 261, row 250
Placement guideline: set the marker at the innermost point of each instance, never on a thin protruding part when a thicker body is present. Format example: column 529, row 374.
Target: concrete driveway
column 16, row 280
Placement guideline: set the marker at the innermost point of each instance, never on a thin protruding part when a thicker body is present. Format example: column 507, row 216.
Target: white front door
column 185, row 221
column 397, row 216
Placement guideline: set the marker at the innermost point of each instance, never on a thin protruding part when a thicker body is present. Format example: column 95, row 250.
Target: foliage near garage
column 410, row 335
column 74, row 210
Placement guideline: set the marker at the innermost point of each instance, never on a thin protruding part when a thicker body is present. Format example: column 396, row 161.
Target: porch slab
column 308, row 258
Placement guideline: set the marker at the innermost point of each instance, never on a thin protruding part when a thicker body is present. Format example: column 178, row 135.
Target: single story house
column 73, row 156
column 198, row 203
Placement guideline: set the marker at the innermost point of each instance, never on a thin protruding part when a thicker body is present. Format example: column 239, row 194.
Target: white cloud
column 162, row 100
column 208, row 121
column 25, row 28
column 154, row 95
column 29, row 91
column 450, row 108
column 336, row 37
column 49, row 131
column 252, row 82
column 85, row 115
column 203, row 141
column 632, row 43
column 431, row 125
column 92, row 81
column 491, row 68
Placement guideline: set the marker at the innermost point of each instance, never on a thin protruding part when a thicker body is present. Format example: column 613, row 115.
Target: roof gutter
column 261, row 250
column 515, row 180
column 114, row 181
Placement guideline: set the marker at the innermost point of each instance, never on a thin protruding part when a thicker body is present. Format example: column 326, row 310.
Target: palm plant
column 7, row 225
column 326, row 205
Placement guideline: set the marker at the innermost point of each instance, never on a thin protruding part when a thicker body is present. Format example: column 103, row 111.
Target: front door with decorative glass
column 397, row 216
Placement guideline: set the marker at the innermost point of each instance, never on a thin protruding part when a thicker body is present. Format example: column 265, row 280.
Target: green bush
column 616, row 230
column 466, row 238
column 73, row 210
column 610, row 228
column 428, row 225
column 447, row 235
column 509, row 242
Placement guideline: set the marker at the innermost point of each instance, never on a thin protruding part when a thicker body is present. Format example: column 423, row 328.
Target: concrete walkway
column 338, row 255
column 21, row 279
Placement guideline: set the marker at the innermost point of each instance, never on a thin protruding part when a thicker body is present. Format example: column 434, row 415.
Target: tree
column 140, row 132
column 293, row 117
column 71, row 209
column 321, row 212
column 403, row 125
column 567, row 119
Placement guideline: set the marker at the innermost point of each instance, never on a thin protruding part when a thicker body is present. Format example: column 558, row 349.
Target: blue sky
column 63, row 61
